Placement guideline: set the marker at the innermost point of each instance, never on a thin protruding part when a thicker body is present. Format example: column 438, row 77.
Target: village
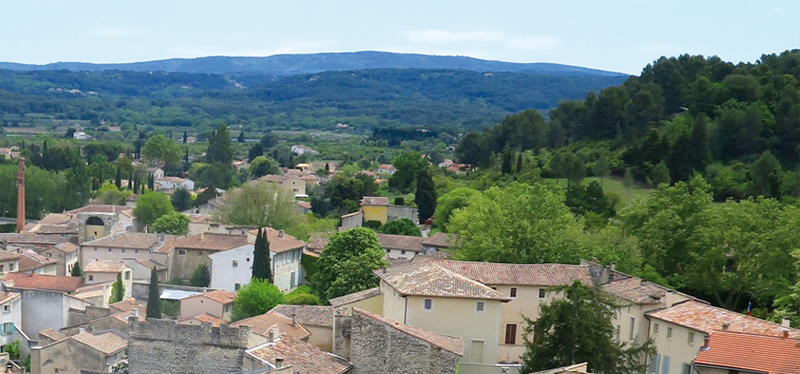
column 428, row 314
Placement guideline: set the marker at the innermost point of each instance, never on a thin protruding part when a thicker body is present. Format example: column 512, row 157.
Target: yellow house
column 430, row 297
column 370, row 300
column 375, row 208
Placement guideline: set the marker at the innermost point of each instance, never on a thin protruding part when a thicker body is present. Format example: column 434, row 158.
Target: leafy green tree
column 153, row 296
column 301, row 296
column 255, row 151
column 219, row 147
column 660, row 174
column 109, row 194
column 162, row 150
column 578, row 328
column 425, row 196
column 262, row 269
column 201, row 277
column 602, row 168
column 259, row 204
column 263, row 165
column 582, row 199
column 346, row 264
column 181, row 199
column 407, row 166
column 765, row 173
column 449, row 202
column 173, row 223
column 698, row 145
column 76, row 270
column 520, row 223
column 150, row 206
column 117, row 290
column 118, row 179
column 400, row 227
column 13, row 350
column 256, row 298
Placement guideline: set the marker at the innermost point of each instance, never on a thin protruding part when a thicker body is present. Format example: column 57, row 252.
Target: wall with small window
column 676, row 345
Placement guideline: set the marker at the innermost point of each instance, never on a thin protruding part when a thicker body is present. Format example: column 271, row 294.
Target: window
column 388, row 251
column 236, row 286
column 123, row 250
column 91, row 277
column 247, row 259
column 181, row 252
column 235, row 263
column 428, row 304
column 479, row 306
column 669, row 332
column 511, row 333
column 109, row 249
column 127, row 275
column 616, row 334
column 541, row 293
column 200, row 253
column 95, row 249
column 655, row 329
column 402, row 252
column 686, row 369
column 631, row 328
column 10, row 267
column 5, row 308
column 691, row 338
column 513, row 292
column 2, row 268
column 135, row 251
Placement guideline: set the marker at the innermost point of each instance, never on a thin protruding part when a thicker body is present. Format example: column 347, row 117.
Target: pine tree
column 505, row 167
column 425, row 196
column 185, row 135
column 117, row 290
column 76, row 270
column 153, row 296
column 519, row 162
column 698, row 146
column 240, row 139
column 118, row 179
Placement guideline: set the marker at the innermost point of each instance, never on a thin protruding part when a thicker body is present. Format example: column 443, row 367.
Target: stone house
column 106, row 272
column 98, row 220
column 370, row 300
column 216, row 303
column 184, row 253
column 285, row 354
column 400, row 246
column 122, row 246
column 426, row 296
column 46, row 299
column 679, row 332
column 317, row 319
column 66, row 255
column 31, row 262
column 728, row 352
column 98, row 352
column 380, row 344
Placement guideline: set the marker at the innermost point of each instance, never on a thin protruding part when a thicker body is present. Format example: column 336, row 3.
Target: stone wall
column 91, row 313
column 163, row 346
column 376, row 347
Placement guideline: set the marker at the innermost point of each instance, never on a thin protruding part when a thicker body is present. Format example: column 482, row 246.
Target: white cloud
column 441, row 36
column 114, row 32
column 533, row 43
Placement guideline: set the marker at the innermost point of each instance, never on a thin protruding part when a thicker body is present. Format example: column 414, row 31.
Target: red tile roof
column 706, row 318
column 493, row 273
column 427, row 279
column 353, row 297
column 636, row 290
column 30, row 260
column 104, row 267
column 303, row 357
column 447, row 343
column 280, row 241
column 135, row 240
column 400, row 242
column 371, row 200
column 205, row 317
column 439, row 239
column 748, row 352
column 42, row 282
column 263, row 323
column 220, row 296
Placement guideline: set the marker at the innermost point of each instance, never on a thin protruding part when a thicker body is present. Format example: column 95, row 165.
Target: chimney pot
column 280, row 234
column 278, row 362
column 785, row 333
column 293, row 319
column 271, row 336
column 725, row 326
column 786, row 322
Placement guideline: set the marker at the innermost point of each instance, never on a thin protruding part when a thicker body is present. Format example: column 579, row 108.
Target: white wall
column 224, row 275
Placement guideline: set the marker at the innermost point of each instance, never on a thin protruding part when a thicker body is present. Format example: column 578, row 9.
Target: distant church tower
column 21, row 194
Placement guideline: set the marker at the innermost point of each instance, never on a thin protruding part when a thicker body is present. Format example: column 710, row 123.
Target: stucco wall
column 675, row 349
column 375, row 213
column 373, row 305
column 192, row 306
column 321, row 337
column 67, row 356
column 395, row 212
column 224, row 275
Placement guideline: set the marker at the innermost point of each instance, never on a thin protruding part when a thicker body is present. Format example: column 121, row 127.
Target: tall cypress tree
column 153, row 296
column 151, row 182
column 185, row 135
column 118, row 179
column 425, row 196
column 268, row 266
column 519, row 162
column 259, row 262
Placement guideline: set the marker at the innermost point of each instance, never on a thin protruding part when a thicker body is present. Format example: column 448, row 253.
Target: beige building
column 106, row 272
column 215, row 303
column 428, row 296
column 183, row 254
column 66, row 254
column 317, row 319
column 293, row 184
column 9, row 261
column 264, row 324
column 97, row 352
column 400, row 246
column 121, row 246
column 679, row 332
column 370, row 300
column 31, row 262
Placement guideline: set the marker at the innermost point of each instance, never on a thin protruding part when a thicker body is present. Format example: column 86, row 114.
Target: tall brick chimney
column 20, row 194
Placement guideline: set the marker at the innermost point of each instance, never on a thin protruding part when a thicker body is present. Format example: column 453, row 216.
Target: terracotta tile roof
column 141, row 313
column 171, row 179
column 9, row 256
column 706, row 318
column 42, row 282
column 220, row 296
column 748, row 352
column 439, row 239
column 30, row 260
column 271, row 178
column 67, row 247
column 52, row 229
column 401, row 242
column 25, row 238
column 493, row 273
column 427, row 279
column 385, row 167
column 372, row 200
column 353, row 297
column 317, row 244
column 7, row 296
column 280, row 241
column 448, row 343
column 134, row 240
column 636, row 290
column 205, row 317
column 205, row 242
column 107, row 342
column 304, row 204
column 263, row 323
column 199, row 218
column 52, row 334
column 150, row 263
column 127, row 305
column 104, row 267
column 310, row 315
column 101, row 208
column 351, row 214
column 303, row 357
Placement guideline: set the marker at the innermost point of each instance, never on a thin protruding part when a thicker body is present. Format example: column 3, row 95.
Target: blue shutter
column 665, row 365
column 10, row 328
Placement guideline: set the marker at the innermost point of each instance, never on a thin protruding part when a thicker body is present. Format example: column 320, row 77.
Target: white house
column 232, row 269
column 173, row 183
column 299, row 149
column 80, row 135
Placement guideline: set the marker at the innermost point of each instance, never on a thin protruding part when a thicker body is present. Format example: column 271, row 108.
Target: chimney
column 786, row 322
column 278, row 362
column 705, row 343
column 725, row 325
column 271, row 335
column 294, row 323
column 202, row 236
column 280, row 234
column 20, row 194
column 161, row 238
column 785, row 333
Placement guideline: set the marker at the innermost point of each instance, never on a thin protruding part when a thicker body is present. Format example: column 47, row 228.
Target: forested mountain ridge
column 292, row 64
column 737, row 124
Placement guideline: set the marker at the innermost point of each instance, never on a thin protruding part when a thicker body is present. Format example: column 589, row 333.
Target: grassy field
column 614, row 185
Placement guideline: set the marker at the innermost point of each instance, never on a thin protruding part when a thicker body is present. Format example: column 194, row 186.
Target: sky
column 621, row 36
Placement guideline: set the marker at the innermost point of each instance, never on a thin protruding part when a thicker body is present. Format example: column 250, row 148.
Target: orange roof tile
column 493, row 273
column 353, row 297
column 220, row 296
column 205, row 317
column 303, row 357
column 280, row 241
column 748, row 352
column 104, row 267
column 706, row 318
column 636, row 290
column 42, row 282
column 427, row 279
column 136, row 240
column 401, row 242
column 108, row 342
column 204, row 241
column 262, row 323
column 372, row 200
